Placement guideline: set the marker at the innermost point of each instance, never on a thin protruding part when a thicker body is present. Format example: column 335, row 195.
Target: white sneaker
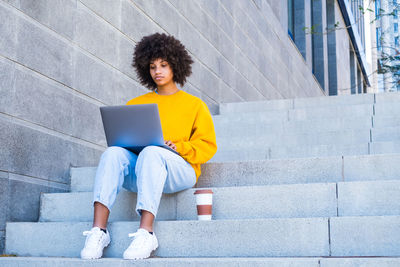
column 142, row 246
column 96, row 241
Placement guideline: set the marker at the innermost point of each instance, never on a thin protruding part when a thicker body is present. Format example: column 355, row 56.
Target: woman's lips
column 159, row 77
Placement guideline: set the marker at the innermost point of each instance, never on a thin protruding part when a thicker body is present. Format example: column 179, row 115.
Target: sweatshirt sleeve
column 202, row 144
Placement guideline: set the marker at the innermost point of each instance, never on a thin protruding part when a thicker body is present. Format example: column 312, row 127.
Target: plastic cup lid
column 203, row 191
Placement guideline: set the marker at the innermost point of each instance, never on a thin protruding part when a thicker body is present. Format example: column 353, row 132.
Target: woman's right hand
column 170, row 144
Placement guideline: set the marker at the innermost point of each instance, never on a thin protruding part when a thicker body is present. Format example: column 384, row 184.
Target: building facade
column 61, row 60
column 388, row 44
column 331, row 38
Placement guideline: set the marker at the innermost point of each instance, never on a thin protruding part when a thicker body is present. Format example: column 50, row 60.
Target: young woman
column 160, row 61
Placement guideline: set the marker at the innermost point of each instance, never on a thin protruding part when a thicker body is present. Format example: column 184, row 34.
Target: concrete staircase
column 303, row 182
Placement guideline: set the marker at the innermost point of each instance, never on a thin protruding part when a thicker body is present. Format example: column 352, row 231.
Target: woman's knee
column 151, row 151
column 150, row 157
column 114, row 151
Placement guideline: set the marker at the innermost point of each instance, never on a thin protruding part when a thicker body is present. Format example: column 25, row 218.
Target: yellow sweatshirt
column 187, row 122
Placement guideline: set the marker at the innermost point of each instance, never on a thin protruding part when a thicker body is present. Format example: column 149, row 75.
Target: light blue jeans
column 154, row 171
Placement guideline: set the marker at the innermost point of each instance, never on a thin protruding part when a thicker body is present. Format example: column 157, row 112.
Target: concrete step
column 331, row 112
column 294, row 237
column 368, row 198
column 277, row 117
column 259, row 124
column 310, row 102
column 386, row 121
column 340, row 138
column 243, row 138
column 256, row 152
column 255, row 106
column 284, row 201
column 310, row 113
column 338, row 100
column 82, row 178
column 360, row 262
column 279, row 171
column 203, row 262
column 392, row 97
column 365, row 236
column 371, row 198
column 301, row 170
column 162, row 262
column 385, row 147
column 285, row 104
column 238, row 126
column 385, row 134
column 387, row 109
column 53, row 207
column 218, row 238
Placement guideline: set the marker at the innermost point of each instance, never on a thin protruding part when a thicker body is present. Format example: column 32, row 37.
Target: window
column 313, row 40
column 396, row 41
column 291, row 19
column 377, row 8
column 396, row 27
column 352, row 72
column 378, row 39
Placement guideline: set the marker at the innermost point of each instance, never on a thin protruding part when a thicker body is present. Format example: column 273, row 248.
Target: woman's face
column 161, row 72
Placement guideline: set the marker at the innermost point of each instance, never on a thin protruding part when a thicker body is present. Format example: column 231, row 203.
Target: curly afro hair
column 166, row 47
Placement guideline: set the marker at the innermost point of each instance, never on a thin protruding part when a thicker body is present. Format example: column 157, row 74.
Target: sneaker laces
column 93, row 238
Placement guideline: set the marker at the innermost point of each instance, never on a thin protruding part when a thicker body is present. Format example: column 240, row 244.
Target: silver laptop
column 133, row 126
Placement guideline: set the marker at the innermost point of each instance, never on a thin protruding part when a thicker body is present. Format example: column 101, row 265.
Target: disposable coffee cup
column 204, row 204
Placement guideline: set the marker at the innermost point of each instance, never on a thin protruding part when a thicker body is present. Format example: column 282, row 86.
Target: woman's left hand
column 170, row 144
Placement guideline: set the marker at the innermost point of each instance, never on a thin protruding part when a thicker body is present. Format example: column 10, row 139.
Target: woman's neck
column 167, row 89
